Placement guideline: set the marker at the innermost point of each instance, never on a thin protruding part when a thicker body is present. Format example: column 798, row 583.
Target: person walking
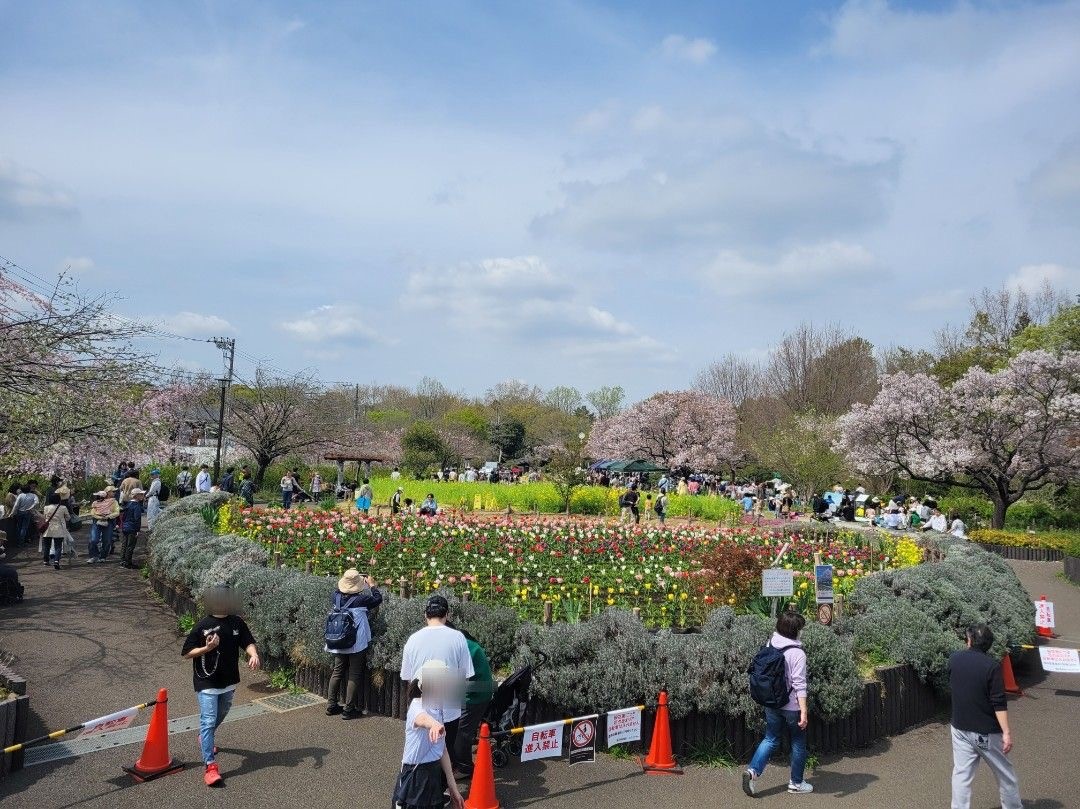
column 128, row 485
column 203, row 483
column 228, row 481
column 478, row 692
column 793, row 714
column 316, row 487
column 103, row 513
column 55, row 536
column 426, row 772
column 980, row 720
column 395, row 501
column 214, row 647
column 363, row 497
column 183, row 482
column 350, row 662
column 287, row 486
column 131, row 523
column 153, row 499
column 660, row 507
column 437, row 641
column 247, row 487
column 23, row 509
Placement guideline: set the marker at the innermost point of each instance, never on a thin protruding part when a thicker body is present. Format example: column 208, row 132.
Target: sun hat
column 63, row 492
column 138, row 492
column 99, row 494
column 432, row 669
column 437, row 607
column 350, row 583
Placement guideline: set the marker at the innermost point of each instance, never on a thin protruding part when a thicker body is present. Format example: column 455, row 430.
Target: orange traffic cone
column 482, row 789
column 1044, row 631
column 660, row 761
column 155, row 760
column 1011, row 686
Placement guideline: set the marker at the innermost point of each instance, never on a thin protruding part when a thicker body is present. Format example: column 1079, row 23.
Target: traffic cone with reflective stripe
column 155, row 760
column 1011, row 686
column 660, row 760
column 482, row 789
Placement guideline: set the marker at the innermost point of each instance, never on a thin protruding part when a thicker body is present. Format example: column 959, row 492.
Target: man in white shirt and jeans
column 437, row 641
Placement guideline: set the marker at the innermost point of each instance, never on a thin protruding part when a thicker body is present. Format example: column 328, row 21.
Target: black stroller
column 507, row 710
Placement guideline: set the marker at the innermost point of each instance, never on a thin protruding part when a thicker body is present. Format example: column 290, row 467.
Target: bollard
column 547, row 613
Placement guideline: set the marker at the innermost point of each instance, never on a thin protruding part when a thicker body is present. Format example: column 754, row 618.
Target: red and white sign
column 1060, row 660
column 542, row 741
column 583, row 740
column 114, row 721
column 623, row 726
column 1044, row 614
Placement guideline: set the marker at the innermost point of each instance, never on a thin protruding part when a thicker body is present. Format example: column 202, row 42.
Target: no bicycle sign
column 583, row 740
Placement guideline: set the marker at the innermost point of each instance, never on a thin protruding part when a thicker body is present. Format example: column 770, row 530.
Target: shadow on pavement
column 532, row 791
column 253, row 761
column 840, row 785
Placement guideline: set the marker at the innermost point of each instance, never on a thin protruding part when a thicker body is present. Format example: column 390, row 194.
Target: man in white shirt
column 395, row 475
column 202, row 480
column 287, row 490
column 437, row 641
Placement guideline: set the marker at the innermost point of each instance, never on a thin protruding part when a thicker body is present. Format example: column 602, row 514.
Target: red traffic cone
column 482, row 789
column 1044, row 631
column 660, row 761
column 155, row 760
column 1011, row 686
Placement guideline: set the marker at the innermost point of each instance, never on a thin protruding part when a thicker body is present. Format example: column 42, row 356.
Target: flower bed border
column 14, row 717
column 1023, row 554
column 1072, row 568
column 894, row 702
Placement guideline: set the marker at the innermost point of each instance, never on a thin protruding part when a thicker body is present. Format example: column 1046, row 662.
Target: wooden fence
column 1072, row 569
column 1024, row 554
column 14, row 714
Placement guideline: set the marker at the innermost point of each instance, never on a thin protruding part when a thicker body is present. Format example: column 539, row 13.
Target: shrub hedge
column 1057, row 540
column 914, row 615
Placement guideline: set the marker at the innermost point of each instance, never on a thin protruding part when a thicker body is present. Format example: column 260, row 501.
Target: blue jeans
column 286, row 499
column 213, row 709
column 22, row 523
column 101, row 539
column 775, row 720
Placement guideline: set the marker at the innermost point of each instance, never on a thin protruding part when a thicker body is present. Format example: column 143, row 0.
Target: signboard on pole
column 113, row 721
column 777, row 582
column 823, row 583
column 583, row 740
column 1044, row 614
column 1054, row 658
column 542, row 741
column 623, row 726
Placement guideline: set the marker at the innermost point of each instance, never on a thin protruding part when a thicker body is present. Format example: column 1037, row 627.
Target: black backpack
column 340, row 630
column 768, row 677
column 164, row 493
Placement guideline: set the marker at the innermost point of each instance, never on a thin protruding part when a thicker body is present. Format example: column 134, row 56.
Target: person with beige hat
column 348, row 634
column 103, row 513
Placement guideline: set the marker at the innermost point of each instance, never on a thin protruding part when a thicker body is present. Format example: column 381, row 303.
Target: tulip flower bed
column 674, row 575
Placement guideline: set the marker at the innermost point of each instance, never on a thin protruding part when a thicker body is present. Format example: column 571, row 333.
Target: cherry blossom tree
column 673, row 429
column 1004, row 434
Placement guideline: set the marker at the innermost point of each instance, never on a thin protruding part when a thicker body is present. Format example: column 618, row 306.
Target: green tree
column 422, row 450
column 508, row 435
column 1061, row 333
column 566, row 471
column 800, row 450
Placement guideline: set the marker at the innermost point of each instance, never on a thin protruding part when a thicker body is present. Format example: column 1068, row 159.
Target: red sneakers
column 213, row 776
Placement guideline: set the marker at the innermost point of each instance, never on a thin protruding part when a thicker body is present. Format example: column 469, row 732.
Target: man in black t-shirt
column 213, row 647
column 980, row 720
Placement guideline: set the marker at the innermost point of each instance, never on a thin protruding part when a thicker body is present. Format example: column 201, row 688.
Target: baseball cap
column 437, row 607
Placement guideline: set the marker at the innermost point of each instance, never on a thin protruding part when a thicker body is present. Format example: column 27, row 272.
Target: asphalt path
column 91, row 639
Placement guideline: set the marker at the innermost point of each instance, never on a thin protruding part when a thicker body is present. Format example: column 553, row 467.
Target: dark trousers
column 52, row 549
column 131, row 539
column 350, row 670
column 461, row 754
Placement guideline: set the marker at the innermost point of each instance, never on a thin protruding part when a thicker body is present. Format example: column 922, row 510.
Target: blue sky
column 562, row 192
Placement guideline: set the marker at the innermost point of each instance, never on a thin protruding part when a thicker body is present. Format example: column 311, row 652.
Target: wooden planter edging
column 1024, row 554
column 14, row 714
column 891, row 704
column 1072, row 569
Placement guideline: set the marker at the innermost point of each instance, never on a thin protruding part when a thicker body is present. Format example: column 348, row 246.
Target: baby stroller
column 507, row 710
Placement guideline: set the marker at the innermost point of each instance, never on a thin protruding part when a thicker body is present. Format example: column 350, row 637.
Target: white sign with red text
column 114, row 721
column 623, row 726
column 542, row 741
column 1060, row 660
column 1044, row 614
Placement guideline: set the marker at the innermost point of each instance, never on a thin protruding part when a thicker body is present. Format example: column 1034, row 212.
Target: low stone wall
column 1072, row 569
column 14, row 714
column 1024, row 554
column 892, row 703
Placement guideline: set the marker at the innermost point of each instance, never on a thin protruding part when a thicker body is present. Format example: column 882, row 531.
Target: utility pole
column 228, row 346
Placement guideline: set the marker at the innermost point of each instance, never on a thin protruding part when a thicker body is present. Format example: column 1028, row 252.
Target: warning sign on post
column 1060, row 660
column 623, row 726
column 542, row 741
column 1044, row 614
column 583, row 740
column 777, row 581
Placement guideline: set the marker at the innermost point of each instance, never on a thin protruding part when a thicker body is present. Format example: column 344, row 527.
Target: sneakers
column 333, row 710
column 749, row 783
column 92, row 560
column 802, row 788
column 347, row 714
column 213, row 776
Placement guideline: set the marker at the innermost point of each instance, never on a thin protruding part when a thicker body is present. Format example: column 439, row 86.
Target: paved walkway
column 90, row 640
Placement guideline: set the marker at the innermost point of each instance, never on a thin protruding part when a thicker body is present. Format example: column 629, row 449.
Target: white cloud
column 761, row 189
column 76, row 264
column 698, row 51
column 329, row 323
column 194, row 324
column 25, row 193
column 598, row 118
column 520, row 299
column 804, row 270
column 1032, row 278
column 648, row 118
